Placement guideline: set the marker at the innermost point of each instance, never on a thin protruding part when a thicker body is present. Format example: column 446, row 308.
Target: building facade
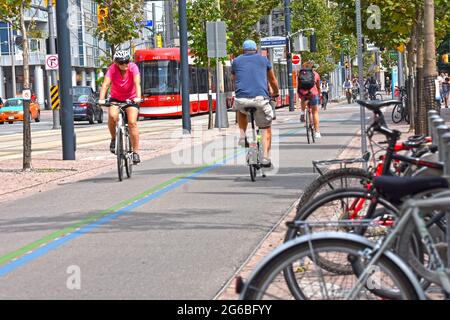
column 86, row 50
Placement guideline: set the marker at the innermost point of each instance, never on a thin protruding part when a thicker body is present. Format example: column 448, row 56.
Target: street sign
column 273, row 42
column 372, row 47
column 51, row 62
column 216, row 38
column 148, row 23
column 26, row 94
column 278, row 53
column 296, row 59
column 54, row 96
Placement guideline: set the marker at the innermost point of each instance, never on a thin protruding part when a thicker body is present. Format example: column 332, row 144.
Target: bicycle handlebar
column 126, row 103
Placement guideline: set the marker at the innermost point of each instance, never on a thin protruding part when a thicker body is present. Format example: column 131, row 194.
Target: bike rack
column 440, row 134
column 342, row 162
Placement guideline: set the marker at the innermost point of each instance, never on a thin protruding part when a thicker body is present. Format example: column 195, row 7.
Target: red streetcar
column 161, row 84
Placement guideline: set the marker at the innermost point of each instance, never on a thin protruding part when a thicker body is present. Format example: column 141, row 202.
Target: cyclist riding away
column 251, row 73
column 348, row 86
column 309, row 92
column 125, row 81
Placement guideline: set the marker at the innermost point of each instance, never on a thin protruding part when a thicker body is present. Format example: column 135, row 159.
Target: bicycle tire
column 312, row 211
column 324, row 183
column 119, row 152
column 397, row 113
column 128, row 157
column 406, row 252
column 269, row 272
column 252, row 172
column 307, row 127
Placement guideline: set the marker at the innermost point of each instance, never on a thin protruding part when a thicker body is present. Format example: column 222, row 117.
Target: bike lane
column 184, row 230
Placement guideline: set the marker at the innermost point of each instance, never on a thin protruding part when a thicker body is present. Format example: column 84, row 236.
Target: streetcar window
column 160, row 77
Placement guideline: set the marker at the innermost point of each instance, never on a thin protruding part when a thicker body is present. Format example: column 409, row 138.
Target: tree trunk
column 430, row 73
column 26, row 104
column 421, row 114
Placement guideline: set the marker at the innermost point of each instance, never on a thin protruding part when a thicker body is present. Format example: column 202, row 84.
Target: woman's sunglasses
column 123, row 62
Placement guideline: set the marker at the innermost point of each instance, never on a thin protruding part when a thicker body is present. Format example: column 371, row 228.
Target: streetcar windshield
column 160, row 77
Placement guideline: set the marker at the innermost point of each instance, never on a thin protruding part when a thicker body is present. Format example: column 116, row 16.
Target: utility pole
column 51, row 36
column 287, row 24
column 360, row 73
column 154, row 23
column 65, row 81
column 184, row 67
column 168, row 22
column 13, row 62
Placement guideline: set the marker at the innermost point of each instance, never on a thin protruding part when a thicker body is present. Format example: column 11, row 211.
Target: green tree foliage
column 240, row 17
column 122, row 23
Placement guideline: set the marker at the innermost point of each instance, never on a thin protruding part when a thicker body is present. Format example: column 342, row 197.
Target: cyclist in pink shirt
column 125, row 81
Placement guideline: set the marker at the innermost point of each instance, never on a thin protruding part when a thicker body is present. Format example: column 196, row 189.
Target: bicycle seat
column 395, row 188
column 376, row 105
column 250, row 109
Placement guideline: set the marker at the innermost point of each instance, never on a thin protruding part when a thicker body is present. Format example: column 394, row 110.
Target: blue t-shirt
column 250, row 70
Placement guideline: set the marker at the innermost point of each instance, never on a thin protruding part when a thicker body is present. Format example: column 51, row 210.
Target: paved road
column 44, row 139
column 177, row 230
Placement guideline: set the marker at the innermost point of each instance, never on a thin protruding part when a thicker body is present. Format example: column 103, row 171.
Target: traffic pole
column 361, row 76
column 184, row 67
column 65, row 80
column 287, row 24
column 51, row 39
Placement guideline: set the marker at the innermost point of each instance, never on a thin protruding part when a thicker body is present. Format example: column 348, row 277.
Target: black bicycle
column 400, row 111
column 123, row 149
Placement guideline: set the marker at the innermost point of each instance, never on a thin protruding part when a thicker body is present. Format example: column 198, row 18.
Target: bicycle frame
column 411, row 209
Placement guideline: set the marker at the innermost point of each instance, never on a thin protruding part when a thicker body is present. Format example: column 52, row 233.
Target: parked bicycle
column 369, row 270
column 400, row 111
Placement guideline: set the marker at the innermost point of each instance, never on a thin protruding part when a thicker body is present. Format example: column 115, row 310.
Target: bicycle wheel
column 267, row 281
column 128, row 154
column 308, row 129
column 119, row 152
column 334, row 179
column 397, row 113
column 311, row 126
column 344, row 204
column 252, row 172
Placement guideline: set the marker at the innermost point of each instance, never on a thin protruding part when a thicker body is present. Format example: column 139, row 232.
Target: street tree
column 330, row 41
column 13, row 12
column 240, row 17
column 122, row 22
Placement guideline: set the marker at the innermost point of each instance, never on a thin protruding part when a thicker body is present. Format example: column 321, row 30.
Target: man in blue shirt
column 252, row 73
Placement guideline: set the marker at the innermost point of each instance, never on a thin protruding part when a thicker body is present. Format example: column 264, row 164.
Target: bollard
column 430, row 124
column 446, row 153
column 431, row 116
column 440, row 131
column 434, row 124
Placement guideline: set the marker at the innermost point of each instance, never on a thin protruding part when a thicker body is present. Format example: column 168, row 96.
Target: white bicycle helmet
column 121, row 55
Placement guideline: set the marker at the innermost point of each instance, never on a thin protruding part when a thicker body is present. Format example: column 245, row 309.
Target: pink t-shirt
column 122, row 88
column 313, row 91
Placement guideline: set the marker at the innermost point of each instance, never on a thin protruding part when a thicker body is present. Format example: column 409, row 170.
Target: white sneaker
column 317, row 135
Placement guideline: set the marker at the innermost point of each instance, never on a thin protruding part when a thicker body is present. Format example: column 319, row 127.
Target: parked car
column 85, row 107
column 12, row 110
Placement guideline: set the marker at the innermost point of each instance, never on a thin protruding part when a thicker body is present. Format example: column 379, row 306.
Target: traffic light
column 346, row 64
column 445, row 58
column 159, row 42
column 102, row 14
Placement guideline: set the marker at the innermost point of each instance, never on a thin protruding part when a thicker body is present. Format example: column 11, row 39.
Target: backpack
column 306, row 79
